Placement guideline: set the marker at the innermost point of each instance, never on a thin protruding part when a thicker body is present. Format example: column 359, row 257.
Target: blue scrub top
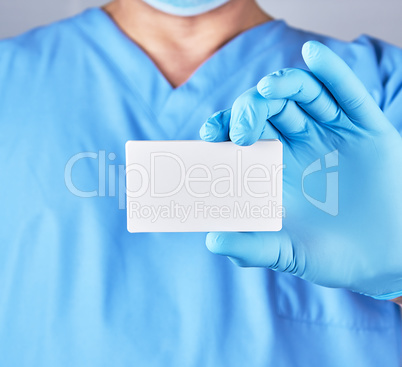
column 76, row 289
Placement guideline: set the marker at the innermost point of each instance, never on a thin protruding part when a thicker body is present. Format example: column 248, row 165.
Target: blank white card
column 197, row 186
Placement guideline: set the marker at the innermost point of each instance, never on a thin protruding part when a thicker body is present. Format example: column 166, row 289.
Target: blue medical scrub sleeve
column 76, row 289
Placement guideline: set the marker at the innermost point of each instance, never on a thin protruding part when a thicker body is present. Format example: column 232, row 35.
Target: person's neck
column 179, row 45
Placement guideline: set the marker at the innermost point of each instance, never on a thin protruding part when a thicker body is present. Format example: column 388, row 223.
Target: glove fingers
column 270, row 132
column 216, row 128
column 254, row 117
column 304, row 88
column 272, row 250
column 249, row 117
column 292, row 121
column 344, row 85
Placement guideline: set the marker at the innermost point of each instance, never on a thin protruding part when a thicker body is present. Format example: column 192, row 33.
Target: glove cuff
column 389, row 296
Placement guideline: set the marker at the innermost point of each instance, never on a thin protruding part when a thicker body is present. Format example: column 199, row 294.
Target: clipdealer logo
column 198, row 181
column 110, row 181
column 331, row 203
column 205, row 185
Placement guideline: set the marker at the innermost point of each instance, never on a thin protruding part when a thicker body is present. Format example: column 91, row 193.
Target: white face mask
column 186, row 8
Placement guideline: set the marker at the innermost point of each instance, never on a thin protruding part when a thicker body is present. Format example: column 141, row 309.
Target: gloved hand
column 326, row 120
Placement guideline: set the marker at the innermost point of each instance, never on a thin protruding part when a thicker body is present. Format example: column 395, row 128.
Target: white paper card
column 197, row 186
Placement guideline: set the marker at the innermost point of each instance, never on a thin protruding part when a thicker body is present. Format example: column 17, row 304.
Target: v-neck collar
column 150, row 87
column 141, row 71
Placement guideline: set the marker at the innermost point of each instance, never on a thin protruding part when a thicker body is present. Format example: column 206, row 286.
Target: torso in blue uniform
column 76, row 289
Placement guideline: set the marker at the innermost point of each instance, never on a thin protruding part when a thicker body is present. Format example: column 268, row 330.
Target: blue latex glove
column 325, row 119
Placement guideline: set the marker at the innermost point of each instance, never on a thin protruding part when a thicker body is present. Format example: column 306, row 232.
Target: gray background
column 345, row 19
